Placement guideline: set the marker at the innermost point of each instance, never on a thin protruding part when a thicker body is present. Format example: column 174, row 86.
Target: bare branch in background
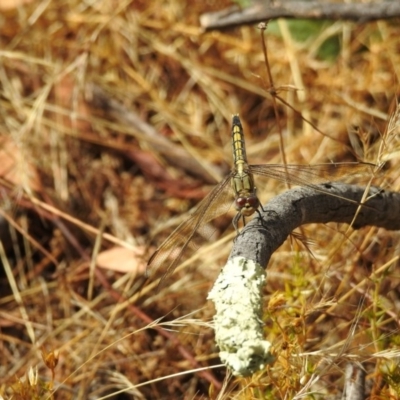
column 263, row 11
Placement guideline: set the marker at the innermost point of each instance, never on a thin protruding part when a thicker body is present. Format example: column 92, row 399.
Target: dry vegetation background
column 88, row 190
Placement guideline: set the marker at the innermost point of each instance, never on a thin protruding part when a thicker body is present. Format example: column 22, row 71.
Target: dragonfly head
column 247, row 204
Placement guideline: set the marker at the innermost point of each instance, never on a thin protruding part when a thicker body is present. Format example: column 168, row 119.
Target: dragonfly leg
column 262, row 220
column 259, row 214
column 235, row 222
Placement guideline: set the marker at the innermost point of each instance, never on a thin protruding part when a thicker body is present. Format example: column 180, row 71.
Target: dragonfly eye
column 240, row 202
column 253, row 202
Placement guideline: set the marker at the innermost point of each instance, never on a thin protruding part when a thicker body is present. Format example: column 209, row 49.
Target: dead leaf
column 122, row 259
column 15, row 166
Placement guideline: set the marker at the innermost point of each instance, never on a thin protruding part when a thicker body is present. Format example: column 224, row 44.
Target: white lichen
column 237, row 295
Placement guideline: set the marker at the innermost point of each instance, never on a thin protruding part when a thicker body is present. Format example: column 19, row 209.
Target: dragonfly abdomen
column 238, row 144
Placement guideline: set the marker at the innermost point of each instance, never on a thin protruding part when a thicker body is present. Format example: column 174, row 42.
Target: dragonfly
column 240, row 181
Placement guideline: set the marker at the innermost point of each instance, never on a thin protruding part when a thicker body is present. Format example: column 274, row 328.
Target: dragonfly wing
column 168, row 255
column 311, row 175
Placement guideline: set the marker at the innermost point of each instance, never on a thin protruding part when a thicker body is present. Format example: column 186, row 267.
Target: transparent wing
column 168, row 255
column 311, row 175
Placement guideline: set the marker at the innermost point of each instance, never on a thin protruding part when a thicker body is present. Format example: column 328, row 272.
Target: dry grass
column 80, row 177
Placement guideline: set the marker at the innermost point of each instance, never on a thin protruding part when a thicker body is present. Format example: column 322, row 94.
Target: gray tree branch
column 301, row 206
column 237, row 293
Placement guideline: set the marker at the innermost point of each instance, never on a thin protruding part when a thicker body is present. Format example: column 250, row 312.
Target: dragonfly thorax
column 246, row 203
